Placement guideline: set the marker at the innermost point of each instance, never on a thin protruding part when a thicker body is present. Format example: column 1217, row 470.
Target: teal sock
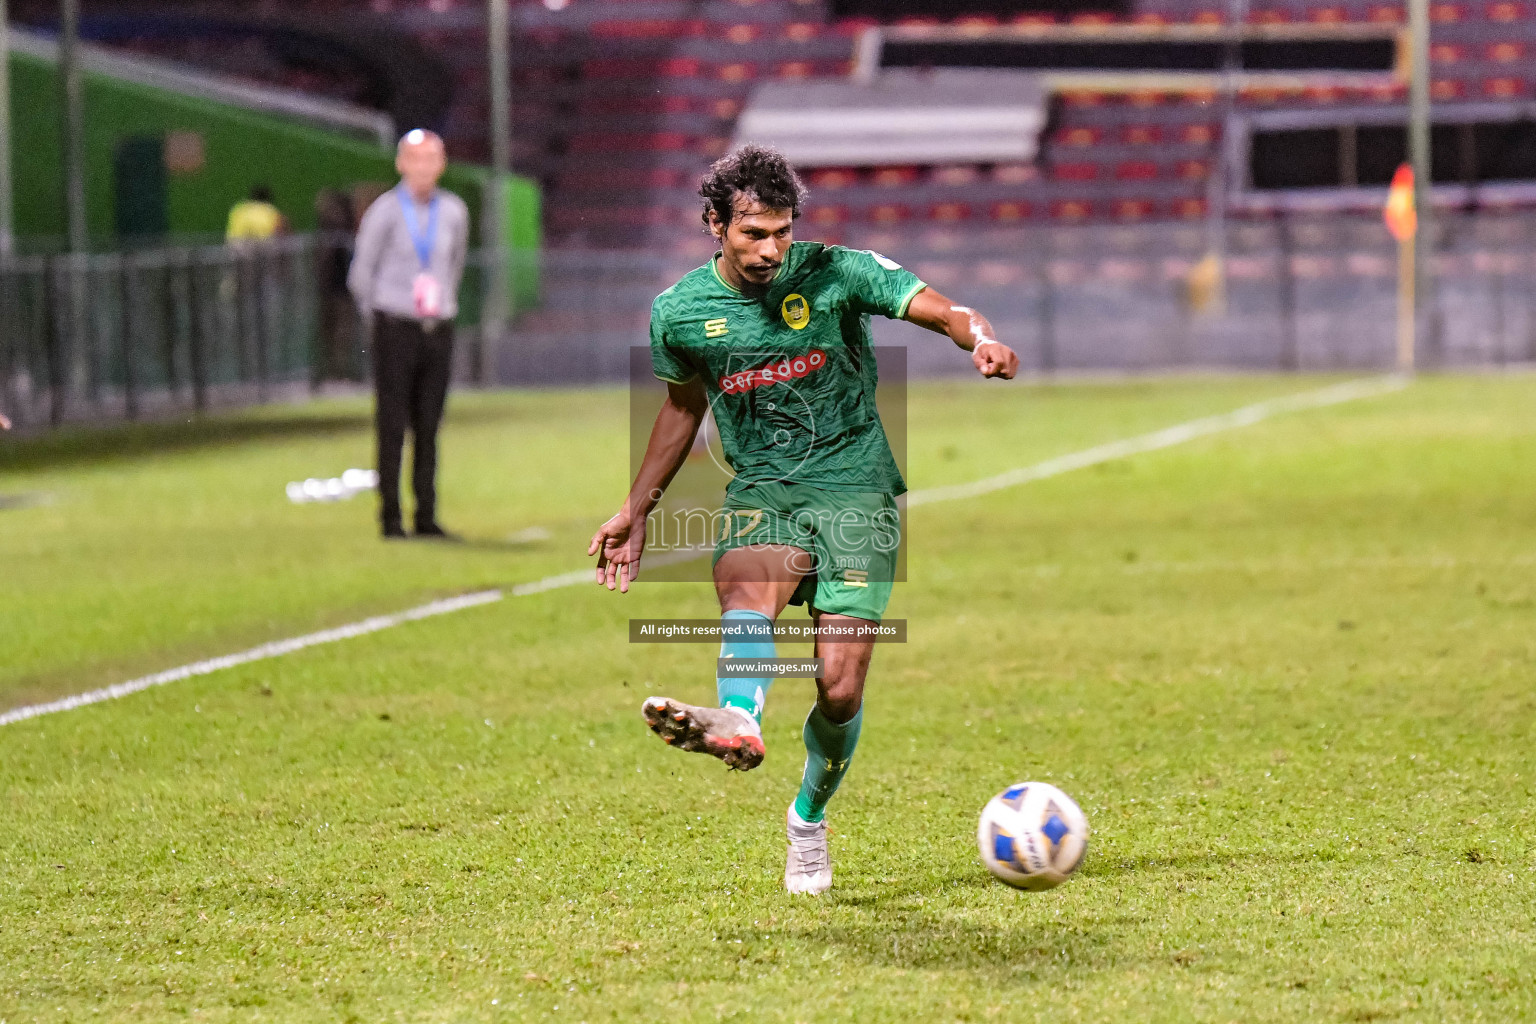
column 745, row 634
column 828, row 749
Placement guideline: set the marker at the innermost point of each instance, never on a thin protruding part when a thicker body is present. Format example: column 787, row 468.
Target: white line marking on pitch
column 1166, row 438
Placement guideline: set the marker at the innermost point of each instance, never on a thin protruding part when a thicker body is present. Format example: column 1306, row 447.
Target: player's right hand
column 618, row 544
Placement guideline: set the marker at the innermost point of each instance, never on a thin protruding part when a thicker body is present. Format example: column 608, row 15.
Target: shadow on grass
column 943, row 941
column 83, row 445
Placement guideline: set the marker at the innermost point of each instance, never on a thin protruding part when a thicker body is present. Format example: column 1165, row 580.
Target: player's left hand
column 994, row 359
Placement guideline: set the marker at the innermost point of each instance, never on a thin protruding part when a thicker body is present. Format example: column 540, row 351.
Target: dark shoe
column 394, row 531
column 432, row 531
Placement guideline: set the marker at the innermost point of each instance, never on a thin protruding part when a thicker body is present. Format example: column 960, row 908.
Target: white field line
column 1166, row 438
column 271, row 650
column 1180, row 433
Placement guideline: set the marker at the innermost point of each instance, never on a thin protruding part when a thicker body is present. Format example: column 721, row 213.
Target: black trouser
column 410, row 382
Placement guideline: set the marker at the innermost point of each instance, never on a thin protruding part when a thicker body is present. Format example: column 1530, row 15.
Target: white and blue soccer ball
column 1032, row 836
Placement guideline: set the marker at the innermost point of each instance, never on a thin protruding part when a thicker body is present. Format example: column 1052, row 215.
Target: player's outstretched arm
column 966, row 328
column 619, row 542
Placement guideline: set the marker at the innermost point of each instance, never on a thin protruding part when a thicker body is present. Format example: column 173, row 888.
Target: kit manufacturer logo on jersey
column 716, row 328
column 797, row 312
column 855, row 578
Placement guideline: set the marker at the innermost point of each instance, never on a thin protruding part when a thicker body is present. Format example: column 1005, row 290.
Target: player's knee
column 842, row 694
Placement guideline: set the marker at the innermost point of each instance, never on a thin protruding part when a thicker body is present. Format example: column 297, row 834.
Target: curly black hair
column 757, row 174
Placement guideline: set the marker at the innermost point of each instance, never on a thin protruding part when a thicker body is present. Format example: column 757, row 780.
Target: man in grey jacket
column 405, row 277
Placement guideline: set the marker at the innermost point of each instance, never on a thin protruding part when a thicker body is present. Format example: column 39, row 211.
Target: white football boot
column 730, row 733
column 809, row 867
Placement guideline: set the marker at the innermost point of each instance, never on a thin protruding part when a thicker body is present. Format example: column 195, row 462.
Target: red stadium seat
column 792, row 69
column 1084, row 98
column 1015, row 174
column 1071, row 210
column 834, row 177
column 949, row 213
column 738, row 71
column 1447, row 89
column 1194, row 170
column 1136, row 170
column 1189, row 209
column 802, row 31
column 1505, row 88
column 1033, row 18
column 1079, row 136
column 1506, row 53
column 1448, row 13
column 1447, row 53
column 890, row 213
column 827, row 216
column 897, row 177
column 1011, row 211
column 1133, row 209
column 1075, row 172
column 1093, row 18
column 741, row 34
column 1150, row 18
column 1268, row 16
column 1327, row 16
column 1505, row 11
column 1197, row 134
column 1388, row 14
column 1141, row 134
column 648, row 29
column 957, row 174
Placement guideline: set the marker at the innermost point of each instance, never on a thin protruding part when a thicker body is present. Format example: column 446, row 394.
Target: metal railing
column 124, row 334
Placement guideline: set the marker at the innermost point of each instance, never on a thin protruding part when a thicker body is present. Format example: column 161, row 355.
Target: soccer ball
column 1032, row 836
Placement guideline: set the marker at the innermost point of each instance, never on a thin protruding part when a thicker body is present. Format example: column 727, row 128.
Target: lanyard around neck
column 421, row 240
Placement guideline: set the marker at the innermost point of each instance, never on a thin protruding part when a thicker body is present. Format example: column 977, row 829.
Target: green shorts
column 852, row 537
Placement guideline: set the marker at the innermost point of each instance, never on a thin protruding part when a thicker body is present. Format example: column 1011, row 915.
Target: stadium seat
column 1506, row 11
column 1505, row 88
column 949, row 213
column 1141, row 134
column 1079, row 136
column 890, row 213
column 1444, row 89
column 1077, row 171
column 1448, row 13
column 834, row 177
column 1071, row 210
column 829, row 215
column 1133, row 209
column 1447, row 53
column 1389, row 14
column 1011, row 211
column 1189, row 209
column 1507, row 52
column 1136, row 170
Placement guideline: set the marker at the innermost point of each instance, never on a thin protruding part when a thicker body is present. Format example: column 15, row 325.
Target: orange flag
column 1402, row 220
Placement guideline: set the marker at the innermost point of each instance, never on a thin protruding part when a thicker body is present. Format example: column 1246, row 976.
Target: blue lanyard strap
column 422, row 242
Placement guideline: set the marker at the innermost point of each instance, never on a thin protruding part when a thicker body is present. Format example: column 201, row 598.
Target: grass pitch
column 1286, row 670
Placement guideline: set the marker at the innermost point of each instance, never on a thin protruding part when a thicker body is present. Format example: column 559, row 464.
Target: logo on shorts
column 789, row 368
column 797, row 312
column 855, row 578
column 716, row 328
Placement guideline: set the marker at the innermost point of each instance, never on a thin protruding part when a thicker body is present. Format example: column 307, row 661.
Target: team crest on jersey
column 797, row 311
column 717, row 328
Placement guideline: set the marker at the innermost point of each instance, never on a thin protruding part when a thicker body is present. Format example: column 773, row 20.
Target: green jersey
column 790, row 374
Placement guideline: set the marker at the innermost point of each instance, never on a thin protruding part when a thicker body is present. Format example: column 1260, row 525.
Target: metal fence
column 121, row 335
column 1303, row 293
column 125, row 334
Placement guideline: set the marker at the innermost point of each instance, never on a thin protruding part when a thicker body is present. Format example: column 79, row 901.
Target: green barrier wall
column 242, row 148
